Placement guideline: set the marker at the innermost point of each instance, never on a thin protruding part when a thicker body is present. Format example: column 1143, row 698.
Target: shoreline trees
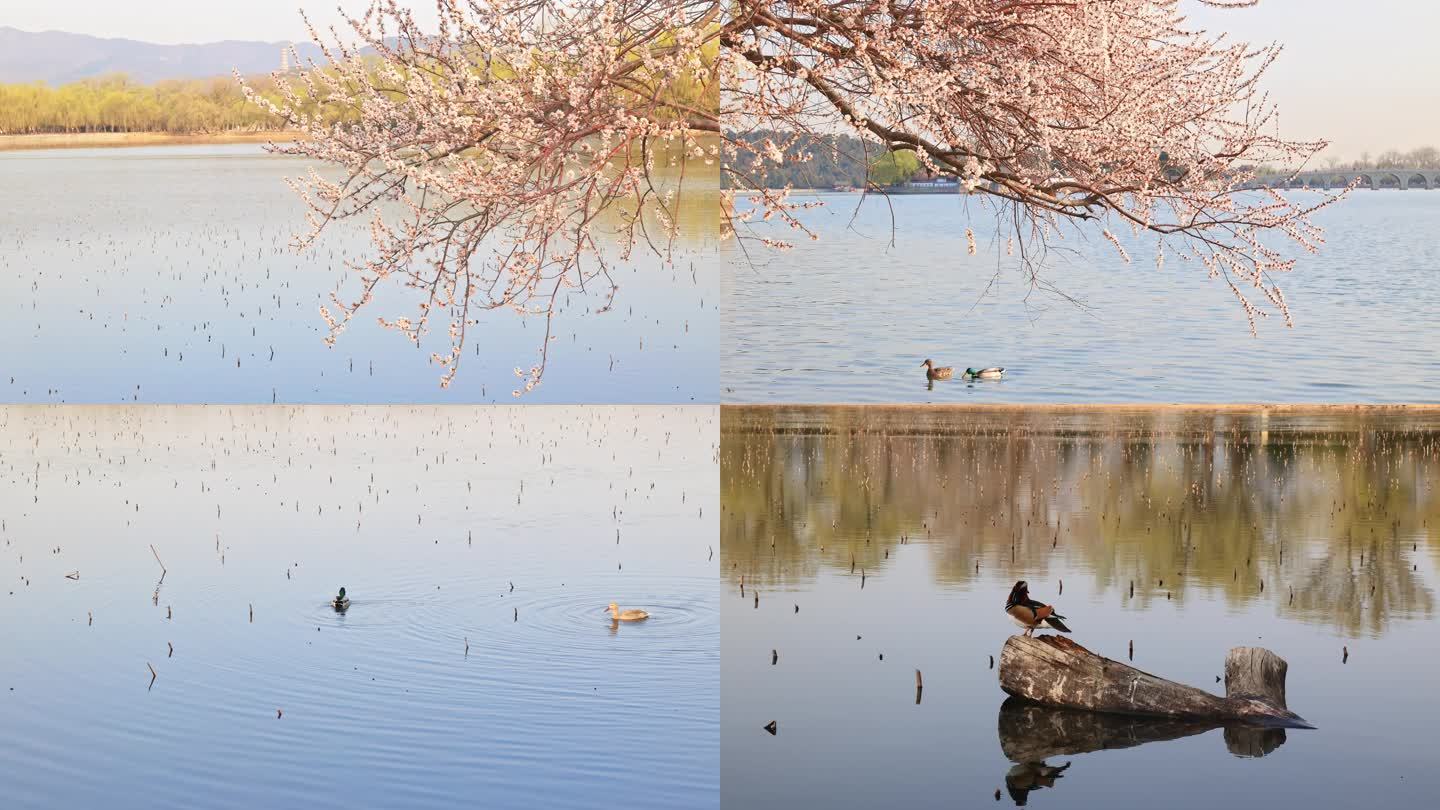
column 118, row 104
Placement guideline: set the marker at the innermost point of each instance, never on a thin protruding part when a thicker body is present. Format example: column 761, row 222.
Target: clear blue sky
column 1365, row 75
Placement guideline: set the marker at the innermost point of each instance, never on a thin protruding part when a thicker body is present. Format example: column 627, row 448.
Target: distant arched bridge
column 1370, row 178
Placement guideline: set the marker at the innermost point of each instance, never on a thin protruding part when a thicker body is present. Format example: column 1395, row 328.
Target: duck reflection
column 1024, row 777
column 1032, row 734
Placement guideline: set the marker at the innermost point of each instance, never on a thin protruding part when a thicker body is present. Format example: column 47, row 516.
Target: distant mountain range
column 56, row 57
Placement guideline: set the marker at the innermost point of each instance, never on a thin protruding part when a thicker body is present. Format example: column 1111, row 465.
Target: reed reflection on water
column 860, row 544
column 1321, row 518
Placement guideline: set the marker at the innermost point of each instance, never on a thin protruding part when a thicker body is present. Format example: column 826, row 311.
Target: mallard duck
column 991, row 373
column 341, row 601
column 616, row 614
column 934, row 372
column 1029, row 613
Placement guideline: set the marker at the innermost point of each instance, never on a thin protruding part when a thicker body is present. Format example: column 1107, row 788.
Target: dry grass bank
column 90, row 140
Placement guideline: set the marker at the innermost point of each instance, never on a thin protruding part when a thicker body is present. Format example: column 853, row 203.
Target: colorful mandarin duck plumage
column 1029, row 613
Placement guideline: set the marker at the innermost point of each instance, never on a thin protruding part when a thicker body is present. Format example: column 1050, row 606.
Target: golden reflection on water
column 1330, row 514
column 686, row 191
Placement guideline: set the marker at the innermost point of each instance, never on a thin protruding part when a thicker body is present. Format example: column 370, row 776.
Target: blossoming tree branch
column 489, row 152
column 1106, row 114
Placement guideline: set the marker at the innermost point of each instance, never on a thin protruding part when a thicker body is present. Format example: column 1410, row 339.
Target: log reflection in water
column 1031, row 733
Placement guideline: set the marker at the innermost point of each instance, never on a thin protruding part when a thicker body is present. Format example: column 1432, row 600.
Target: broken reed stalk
column 157, row 558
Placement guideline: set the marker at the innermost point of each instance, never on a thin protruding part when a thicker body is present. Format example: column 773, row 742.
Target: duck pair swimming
column 934, row 372
column 341, row 602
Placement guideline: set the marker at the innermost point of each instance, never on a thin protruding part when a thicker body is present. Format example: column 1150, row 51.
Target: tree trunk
column 1056, row 671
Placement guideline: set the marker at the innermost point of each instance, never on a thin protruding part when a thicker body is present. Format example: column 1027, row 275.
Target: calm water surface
column 164, row 274
column 1306, row 532
column 429, row 516
column 849, row 318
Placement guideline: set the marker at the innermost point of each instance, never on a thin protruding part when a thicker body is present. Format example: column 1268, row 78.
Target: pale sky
column 1364, row 75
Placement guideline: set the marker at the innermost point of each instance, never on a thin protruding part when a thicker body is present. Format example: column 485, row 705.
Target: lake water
column 1307, row 532
column 850, row 318
column 164, row 274
column 429, row 517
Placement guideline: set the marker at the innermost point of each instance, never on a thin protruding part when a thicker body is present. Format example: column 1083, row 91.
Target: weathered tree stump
column 1256, row 673
column 1056, row 671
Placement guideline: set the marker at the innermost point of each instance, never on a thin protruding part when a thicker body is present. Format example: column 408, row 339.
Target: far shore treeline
column 119, row 104
column 820, row 162
column 844, row 161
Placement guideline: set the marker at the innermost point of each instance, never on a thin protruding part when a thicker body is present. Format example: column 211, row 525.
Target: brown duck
column 1029, row 613
column 934, row 372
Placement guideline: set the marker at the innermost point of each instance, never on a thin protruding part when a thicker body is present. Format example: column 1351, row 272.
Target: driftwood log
column 1055, row 671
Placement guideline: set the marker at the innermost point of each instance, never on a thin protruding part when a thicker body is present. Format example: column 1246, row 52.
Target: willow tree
column 1098, row 114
